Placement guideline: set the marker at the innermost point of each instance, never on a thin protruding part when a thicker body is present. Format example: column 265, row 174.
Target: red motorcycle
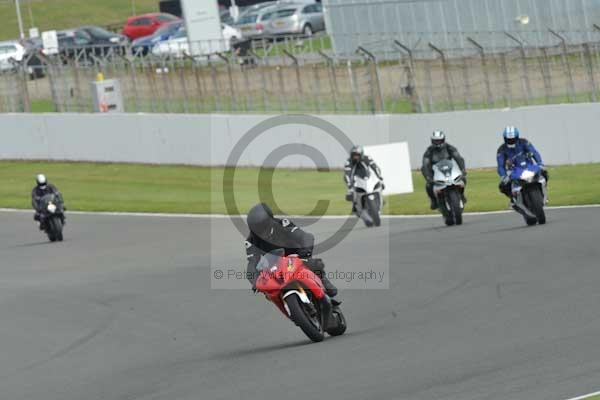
column 299, row 294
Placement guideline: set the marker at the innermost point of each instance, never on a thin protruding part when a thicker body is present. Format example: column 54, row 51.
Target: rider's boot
column 434, row 203
column 330, row 289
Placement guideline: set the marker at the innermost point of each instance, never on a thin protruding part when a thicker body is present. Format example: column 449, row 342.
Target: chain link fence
column 300, row 75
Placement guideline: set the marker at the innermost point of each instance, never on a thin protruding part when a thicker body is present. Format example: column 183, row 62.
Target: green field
column 591, row 398
column 63, row 14
column 184, row 189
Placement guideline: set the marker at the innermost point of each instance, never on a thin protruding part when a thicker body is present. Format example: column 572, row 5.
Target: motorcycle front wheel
column 373, row 209
column 310, row 325
column 55, row 229
column 535, row 203
column 455, row 206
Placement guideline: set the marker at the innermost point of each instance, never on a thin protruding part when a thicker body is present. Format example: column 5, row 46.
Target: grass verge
column 185, row 189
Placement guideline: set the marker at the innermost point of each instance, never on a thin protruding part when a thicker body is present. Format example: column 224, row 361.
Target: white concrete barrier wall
column 564, row 134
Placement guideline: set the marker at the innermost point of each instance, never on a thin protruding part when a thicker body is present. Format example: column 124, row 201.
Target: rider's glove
column 505, row 179
column 349, row 195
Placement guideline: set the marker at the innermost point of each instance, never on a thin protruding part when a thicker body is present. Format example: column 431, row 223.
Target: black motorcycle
column 52, row 216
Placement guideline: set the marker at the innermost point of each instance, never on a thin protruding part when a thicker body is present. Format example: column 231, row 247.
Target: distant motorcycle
column 299, row 294
column 528, row 186
column 52, row 216
column 448, row 186
column 368, row 198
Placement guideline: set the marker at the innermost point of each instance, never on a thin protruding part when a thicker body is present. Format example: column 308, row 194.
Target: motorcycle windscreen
column 269, row 259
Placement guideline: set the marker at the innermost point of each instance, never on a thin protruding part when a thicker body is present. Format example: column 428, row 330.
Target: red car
column 146, row 24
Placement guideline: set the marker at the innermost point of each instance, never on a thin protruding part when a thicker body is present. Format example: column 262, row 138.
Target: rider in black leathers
column 268, row 233
column 438, row 151
column 41, row 189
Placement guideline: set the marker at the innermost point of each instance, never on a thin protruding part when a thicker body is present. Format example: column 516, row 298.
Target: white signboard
column 203, row 26
column 394, row 161
column 50, row 42
column 34, row 33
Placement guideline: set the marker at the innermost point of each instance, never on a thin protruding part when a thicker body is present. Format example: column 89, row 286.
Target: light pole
column 31, row 23
column 133, row 6
column 19, row 19
column 234, row 11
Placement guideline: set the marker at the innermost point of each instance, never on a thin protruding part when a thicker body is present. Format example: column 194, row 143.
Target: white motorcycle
column 368, row 198
column 448, row 186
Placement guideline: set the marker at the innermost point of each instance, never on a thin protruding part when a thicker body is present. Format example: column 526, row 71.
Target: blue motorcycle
column 529, row 188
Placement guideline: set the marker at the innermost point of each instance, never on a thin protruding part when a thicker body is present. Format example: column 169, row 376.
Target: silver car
column 251, row 24
column 288, row 19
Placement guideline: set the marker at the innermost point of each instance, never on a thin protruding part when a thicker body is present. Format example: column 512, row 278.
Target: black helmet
column 438, row 138
column 261, row 221
column 41, row 181
column 356, row 153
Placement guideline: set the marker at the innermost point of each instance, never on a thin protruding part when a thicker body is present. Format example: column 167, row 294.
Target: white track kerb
column 216, row 216
column 587, row 396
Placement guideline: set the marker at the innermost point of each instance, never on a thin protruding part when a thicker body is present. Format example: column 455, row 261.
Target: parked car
column 143, row 45
column 102, row 36
column 178, row 45
column 21, row 52
column 146, row 24
column 81, row 43
column 103, row 41
column 302, row 19
column 35, row 66
column 252, row 23
column 10, row 50
column 255, row 8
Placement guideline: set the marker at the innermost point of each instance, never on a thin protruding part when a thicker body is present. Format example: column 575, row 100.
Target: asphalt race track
column 123, row 310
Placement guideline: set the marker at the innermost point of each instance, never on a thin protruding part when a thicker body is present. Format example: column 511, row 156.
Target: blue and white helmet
column 511, row 136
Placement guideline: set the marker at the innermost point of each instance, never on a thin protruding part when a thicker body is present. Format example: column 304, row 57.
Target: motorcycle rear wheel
column 341, row 323
column 298, row 314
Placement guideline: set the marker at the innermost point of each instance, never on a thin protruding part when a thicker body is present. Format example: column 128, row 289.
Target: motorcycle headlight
column 51, row 208
column 527, row 176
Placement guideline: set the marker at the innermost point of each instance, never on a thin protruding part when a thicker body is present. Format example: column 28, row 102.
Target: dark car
column 35, row 66
column 90, row 40
column 103, row 39
column 75, row 44
column 144, row 44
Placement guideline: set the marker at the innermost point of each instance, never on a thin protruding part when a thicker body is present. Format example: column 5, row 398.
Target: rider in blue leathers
column 513, row 146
